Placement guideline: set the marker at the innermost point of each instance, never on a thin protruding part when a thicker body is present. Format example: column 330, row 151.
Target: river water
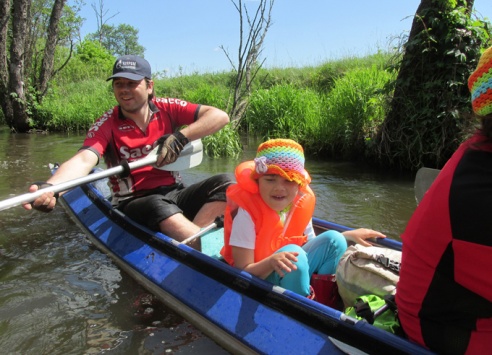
column 60, row 295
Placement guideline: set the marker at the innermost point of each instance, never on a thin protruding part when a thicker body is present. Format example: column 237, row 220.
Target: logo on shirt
column 125, row 127
column 99, row 123
column 173, row 101
column 135, row 153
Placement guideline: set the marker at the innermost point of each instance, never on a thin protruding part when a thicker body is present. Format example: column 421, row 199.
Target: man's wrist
column 44, row 184
column 181, row 138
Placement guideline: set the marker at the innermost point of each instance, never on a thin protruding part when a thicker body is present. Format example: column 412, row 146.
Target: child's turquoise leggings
column 319, row 255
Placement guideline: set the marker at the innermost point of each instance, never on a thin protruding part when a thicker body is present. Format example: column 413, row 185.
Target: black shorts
column 166, row 201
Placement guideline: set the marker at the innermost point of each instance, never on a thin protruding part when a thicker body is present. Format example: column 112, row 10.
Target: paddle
column 423, row 180
column 218, row 223
column 190, row 156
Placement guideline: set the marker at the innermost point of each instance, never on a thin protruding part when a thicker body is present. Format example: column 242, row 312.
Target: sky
column 185, row 36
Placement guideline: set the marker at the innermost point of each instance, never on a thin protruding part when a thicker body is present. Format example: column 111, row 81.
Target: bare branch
column 100, row 17
column 252, row 32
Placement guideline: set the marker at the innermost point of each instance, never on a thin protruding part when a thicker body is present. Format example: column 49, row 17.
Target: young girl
column 268, row 230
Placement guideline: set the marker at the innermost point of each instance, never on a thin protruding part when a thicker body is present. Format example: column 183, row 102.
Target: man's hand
column 170, row 147
column 45, row 202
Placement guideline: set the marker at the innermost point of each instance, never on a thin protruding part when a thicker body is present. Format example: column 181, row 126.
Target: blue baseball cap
column 131, row 67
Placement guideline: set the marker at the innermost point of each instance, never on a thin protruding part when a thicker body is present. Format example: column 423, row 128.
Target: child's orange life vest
column 271, row 233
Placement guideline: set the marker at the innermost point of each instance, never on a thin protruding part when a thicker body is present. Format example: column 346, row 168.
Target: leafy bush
column 78, row 105
column 91, row 61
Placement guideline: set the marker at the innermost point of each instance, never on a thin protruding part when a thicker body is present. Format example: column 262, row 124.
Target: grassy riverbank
column 333, row 108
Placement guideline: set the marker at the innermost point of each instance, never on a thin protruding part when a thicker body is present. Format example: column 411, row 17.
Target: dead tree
column 252, row 32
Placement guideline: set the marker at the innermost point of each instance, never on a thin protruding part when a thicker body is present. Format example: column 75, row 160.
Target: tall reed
column 352, row 112
column 283, row 111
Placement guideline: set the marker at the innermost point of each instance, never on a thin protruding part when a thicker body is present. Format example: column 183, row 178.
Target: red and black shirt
column 117, row 138
column 444, row 295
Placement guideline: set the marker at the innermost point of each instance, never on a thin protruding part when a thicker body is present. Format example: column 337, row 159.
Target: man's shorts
column 166, row 201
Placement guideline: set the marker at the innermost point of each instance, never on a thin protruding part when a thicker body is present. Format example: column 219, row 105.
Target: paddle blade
column 423, row 181
column 190, row 156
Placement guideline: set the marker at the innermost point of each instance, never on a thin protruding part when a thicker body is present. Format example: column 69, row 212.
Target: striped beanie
column 283, row 157
column 480, row 85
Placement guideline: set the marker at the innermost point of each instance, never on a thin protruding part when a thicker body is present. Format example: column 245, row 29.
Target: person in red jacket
column 444, row 295
column 268, row 230
column 130, row 131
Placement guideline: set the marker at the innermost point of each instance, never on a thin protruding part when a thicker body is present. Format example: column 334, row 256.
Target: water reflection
column 58, row 294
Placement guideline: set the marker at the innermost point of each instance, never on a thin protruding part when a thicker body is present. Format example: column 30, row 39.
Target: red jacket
column 444, row 295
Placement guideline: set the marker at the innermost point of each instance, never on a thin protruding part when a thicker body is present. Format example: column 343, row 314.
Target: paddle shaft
column 218, row 223
column 199, row 234
column 67, row 185
column 194, row 147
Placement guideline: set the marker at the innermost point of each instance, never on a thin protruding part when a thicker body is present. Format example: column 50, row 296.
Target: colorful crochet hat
column 480, row 85
column 283, row 157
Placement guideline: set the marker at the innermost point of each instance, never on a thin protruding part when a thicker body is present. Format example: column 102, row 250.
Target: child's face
column 277, row 192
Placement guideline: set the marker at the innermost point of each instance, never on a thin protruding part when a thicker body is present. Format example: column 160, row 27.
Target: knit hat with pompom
column 480, row 85
column 283, row 157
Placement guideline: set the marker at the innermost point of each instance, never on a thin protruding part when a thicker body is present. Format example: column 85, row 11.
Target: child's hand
column 360, row 235
column 283, row 262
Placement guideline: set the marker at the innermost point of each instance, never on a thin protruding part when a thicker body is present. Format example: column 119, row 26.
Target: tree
column 128, row 41
column 21, row 42
column 119, row 40
column 425, row 123
column 102, row 19
column 92, row 52
column 48, row 60
column 249, row 51
column 13, row 94
column 6, row 102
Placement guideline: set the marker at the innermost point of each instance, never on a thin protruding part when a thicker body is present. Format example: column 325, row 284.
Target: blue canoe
column 242, row 313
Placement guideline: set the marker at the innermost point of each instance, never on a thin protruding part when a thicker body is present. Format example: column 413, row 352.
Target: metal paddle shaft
column 423, row 180
column 67, row 185
column 184, row 161
column 218, row 223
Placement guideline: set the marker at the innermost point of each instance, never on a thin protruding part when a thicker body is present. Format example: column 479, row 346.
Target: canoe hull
column 242, row 313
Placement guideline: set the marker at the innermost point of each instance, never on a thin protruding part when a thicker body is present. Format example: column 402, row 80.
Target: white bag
column 367, row 271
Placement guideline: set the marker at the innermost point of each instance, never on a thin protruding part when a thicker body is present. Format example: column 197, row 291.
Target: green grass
column 75, row 106
column 353, row 111
column 331, row 109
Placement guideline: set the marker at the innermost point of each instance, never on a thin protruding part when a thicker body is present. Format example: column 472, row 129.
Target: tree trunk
column 425, row 123
column 4, row 76
column 19, row 121
column 17, row 58
column 49, row 51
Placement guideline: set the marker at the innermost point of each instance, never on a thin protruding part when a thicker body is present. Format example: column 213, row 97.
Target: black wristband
column 43, row 184
column 181, row 138
column 126, row 169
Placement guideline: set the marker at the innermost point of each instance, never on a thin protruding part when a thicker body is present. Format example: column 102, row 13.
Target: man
column 130, row 131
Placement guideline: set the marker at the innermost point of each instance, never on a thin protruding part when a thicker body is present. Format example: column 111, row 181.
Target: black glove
column 44, row 208
column 170, row 145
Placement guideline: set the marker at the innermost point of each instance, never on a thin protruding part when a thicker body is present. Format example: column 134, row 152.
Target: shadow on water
column 60, row 295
